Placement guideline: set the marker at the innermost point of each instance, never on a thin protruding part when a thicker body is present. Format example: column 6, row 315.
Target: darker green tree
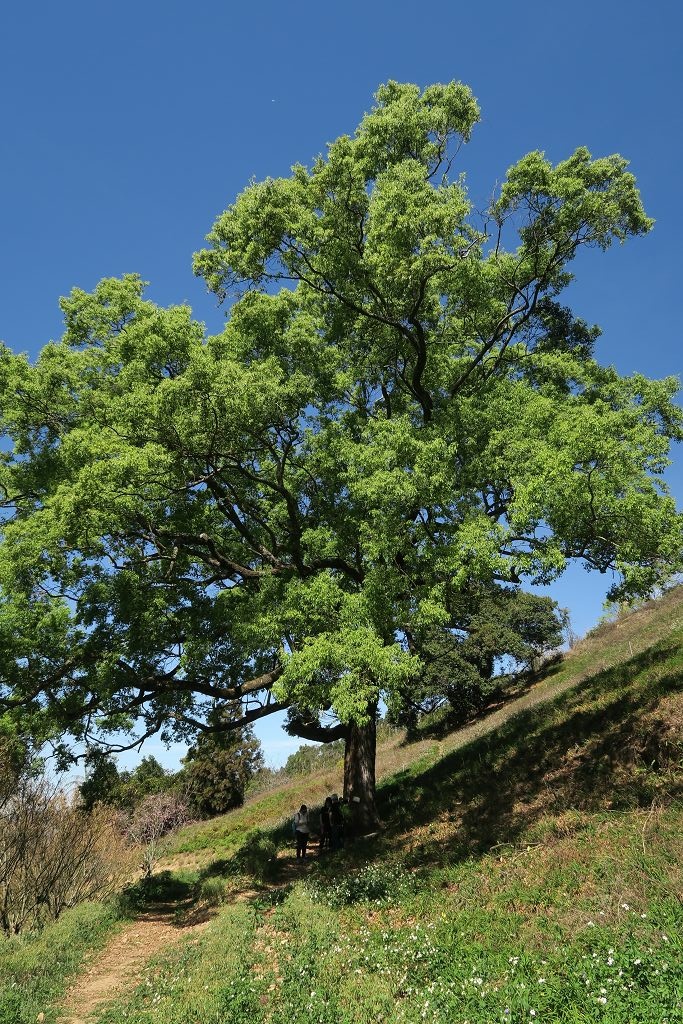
column 491, row 629
column 148, row 778
column 102, row 782
column 217, row 770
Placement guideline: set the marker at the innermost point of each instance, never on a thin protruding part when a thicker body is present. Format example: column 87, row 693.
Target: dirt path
column 119, row 966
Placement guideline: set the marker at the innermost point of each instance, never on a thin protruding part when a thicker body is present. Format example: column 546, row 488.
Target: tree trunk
column 359, row 775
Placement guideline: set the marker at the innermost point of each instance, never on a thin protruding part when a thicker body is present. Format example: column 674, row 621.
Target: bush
column 258, row 857
column 163, row 887
column 374, row 883
column 212, row 891
column 53, row 855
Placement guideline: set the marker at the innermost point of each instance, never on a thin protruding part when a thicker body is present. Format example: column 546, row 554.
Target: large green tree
column 398, row 411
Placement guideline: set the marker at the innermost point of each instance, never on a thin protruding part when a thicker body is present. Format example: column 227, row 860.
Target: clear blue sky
column 126, row 128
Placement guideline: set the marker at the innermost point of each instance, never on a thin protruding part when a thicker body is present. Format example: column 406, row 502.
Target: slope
column 529, row 868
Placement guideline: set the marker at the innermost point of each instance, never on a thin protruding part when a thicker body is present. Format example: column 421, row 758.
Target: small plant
column 374, row 883
column 258, row 857
column 212, row 891
column 163, row 887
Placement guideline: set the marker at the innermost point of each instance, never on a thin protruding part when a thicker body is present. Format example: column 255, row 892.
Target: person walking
column 301, row 831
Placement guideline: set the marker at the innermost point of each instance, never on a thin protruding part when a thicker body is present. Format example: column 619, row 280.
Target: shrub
column 212, row 891
column 374, row 883
column 53, row 855
column 258, row 857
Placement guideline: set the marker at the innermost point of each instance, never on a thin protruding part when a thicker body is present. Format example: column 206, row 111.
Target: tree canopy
column 398, row 412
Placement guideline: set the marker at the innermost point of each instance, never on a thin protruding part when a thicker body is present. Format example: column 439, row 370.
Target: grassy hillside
column 530, row 868
column 599, row 731
column 34, row 969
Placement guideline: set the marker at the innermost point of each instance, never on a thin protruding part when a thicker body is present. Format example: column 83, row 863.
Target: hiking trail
column 120, row 965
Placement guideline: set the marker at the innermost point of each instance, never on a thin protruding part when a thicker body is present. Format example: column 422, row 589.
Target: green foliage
column 147, row 779
column 398, row 412
column 382, row 884
column 15, row 759
column 309, row 759
column 218, row 769
column 212, row 891
column 104, row 783
column 613, row 611
column 460, row 657
column 214, row 778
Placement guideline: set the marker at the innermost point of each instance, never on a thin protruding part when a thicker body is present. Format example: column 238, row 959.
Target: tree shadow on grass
column 256, row 860
column 595, row 747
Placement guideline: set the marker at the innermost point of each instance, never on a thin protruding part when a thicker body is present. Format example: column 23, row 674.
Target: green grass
column 530, row 869
column 599, row 699
column 431, row 958
column 484, row 940
column 35, row 969
column 210, row 979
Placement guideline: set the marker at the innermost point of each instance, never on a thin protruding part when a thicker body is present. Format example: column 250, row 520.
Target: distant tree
column 309, row 758
column 399, row 409
column 612, row 611
column 217, row 770
column 460, row 659
column 102, row 782
column 265, row 778
column 152, row 822
column 148, row 778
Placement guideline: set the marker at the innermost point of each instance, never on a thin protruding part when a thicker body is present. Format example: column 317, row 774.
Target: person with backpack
column 301, row 831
